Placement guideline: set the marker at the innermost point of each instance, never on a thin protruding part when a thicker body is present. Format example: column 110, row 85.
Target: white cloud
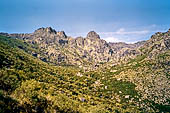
column 123, row 35
column 122, row 31
column 112, row 39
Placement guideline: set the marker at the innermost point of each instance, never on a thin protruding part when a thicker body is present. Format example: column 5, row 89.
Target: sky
column 114, row 20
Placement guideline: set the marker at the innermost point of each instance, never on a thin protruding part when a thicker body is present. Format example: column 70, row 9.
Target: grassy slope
column 29, row 85
column 151, row 77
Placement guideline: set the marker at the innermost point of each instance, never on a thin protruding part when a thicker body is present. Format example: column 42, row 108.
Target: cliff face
column 58, row 48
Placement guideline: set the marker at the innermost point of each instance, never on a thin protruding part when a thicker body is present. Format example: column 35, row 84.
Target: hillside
column 35, row 75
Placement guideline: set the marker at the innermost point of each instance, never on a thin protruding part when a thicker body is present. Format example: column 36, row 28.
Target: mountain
column 90, row 52
column 48, row 71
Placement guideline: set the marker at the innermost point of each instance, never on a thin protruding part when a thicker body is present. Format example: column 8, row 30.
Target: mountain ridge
column 87, row 50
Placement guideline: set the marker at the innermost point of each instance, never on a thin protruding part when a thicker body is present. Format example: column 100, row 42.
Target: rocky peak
column 168, row 33
column 169, row 30
column 93, row 35
column 158, row 43
column 45, row 30
column 49, row 30
column 62, row 34
column 160, row 36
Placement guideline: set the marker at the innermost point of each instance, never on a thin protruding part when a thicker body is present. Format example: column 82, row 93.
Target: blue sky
column 115, row 20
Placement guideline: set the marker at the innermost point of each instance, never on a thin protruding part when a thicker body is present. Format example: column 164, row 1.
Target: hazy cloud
column 112, row 39
column 123, row 35
column 122, row 31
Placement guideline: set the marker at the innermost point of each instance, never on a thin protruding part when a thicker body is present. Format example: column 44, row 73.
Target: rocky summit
column 93, row 35
column 48, row 71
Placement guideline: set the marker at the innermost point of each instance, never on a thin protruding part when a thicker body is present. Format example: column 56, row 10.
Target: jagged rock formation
column 158, row 43
column 58, row 48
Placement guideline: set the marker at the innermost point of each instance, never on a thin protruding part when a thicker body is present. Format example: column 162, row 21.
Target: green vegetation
column 27, row 84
